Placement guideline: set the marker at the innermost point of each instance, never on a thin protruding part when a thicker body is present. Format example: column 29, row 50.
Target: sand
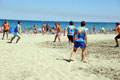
column 36, row 57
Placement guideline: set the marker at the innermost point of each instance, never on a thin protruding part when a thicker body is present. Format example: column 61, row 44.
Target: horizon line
column 59, row 20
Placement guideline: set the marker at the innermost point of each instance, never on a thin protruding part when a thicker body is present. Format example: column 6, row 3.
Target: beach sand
column 36, row 57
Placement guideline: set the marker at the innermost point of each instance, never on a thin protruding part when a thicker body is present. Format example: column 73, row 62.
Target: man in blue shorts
column 80, row 40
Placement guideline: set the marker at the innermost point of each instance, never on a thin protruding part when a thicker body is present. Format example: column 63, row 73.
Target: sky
column 61, row 10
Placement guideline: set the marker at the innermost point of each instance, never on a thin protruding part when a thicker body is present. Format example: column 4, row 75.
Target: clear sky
column 61, row 10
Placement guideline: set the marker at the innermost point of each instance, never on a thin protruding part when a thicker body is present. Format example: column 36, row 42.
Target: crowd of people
column 46, row 29
column 101, row 30
column 76, row 35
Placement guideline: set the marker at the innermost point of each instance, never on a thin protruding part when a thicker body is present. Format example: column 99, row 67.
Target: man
column 80, row 40
column 6, row 27
column 102, row 30
column 117, row 28
column 70, row 31
column 58, row 34
column 43, row 29
column 94, row 30
column 17, row 32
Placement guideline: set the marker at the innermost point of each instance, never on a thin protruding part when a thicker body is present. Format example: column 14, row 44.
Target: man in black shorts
column 6, row 27
column 70, row 37
column 118, row 36
column 70, row 31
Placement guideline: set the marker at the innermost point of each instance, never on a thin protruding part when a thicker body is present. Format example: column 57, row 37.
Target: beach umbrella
column 11, row 29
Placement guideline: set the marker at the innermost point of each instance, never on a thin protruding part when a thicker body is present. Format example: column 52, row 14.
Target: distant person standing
column 6, row 27
column 102, row 30
column 35, row 29
column 94, row 29
column 80, row 40
column 47, row 28
column 90, row 31
column 43, row 29
column 58, row 34
column 117, row 28
column 17, row 32
column 70, row 31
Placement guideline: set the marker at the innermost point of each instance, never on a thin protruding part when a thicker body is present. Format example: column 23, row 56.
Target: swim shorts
column 70, row 37
column 79, row 44
column 58, row 33
column 5, row 30
column 16, row 34
column 118, row 37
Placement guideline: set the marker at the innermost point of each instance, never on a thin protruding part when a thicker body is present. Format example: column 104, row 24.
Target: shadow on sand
column 9, row 42
column 67, row 60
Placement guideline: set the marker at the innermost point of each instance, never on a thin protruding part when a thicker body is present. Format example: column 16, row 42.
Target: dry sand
column 36, row 57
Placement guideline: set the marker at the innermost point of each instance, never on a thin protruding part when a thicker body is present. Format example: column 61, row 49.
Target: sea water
column 63, row 24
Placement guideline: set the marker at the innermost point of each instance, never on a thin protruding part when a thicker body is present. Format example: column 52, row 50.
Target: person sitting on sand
column 58, row 34
column 70, row 31
column 117, row 28
column 17, row 32
column 80, row 40
column 6, row 27
column 102, row 30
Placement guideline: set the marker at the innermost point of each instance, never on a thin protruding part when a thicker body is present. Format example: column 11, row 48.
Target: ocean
column 29, row 24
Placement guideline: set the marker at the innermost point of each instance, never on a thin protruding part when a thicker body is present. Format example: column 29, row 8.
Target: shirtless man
column 6, row 27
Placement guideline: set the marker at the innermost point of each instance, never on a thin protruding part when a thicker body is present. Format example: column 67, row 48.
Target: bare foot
column 69, row 60
column 84, row 61
column 117, row 46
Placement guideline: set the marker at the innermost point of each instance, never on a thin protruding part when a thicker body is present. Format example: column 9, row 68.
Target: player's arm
column 8, row 25
column 74, row 36
column 20, row 30
column 2, row 26
column 115, row 28
column 65, row 30
column 56, row 28
column 86, row 38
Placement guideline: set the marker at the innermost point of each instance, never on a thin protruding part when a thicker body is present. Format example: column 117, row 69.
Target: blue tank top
column 80, row 34
column 16, row 31
column 71, row 30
